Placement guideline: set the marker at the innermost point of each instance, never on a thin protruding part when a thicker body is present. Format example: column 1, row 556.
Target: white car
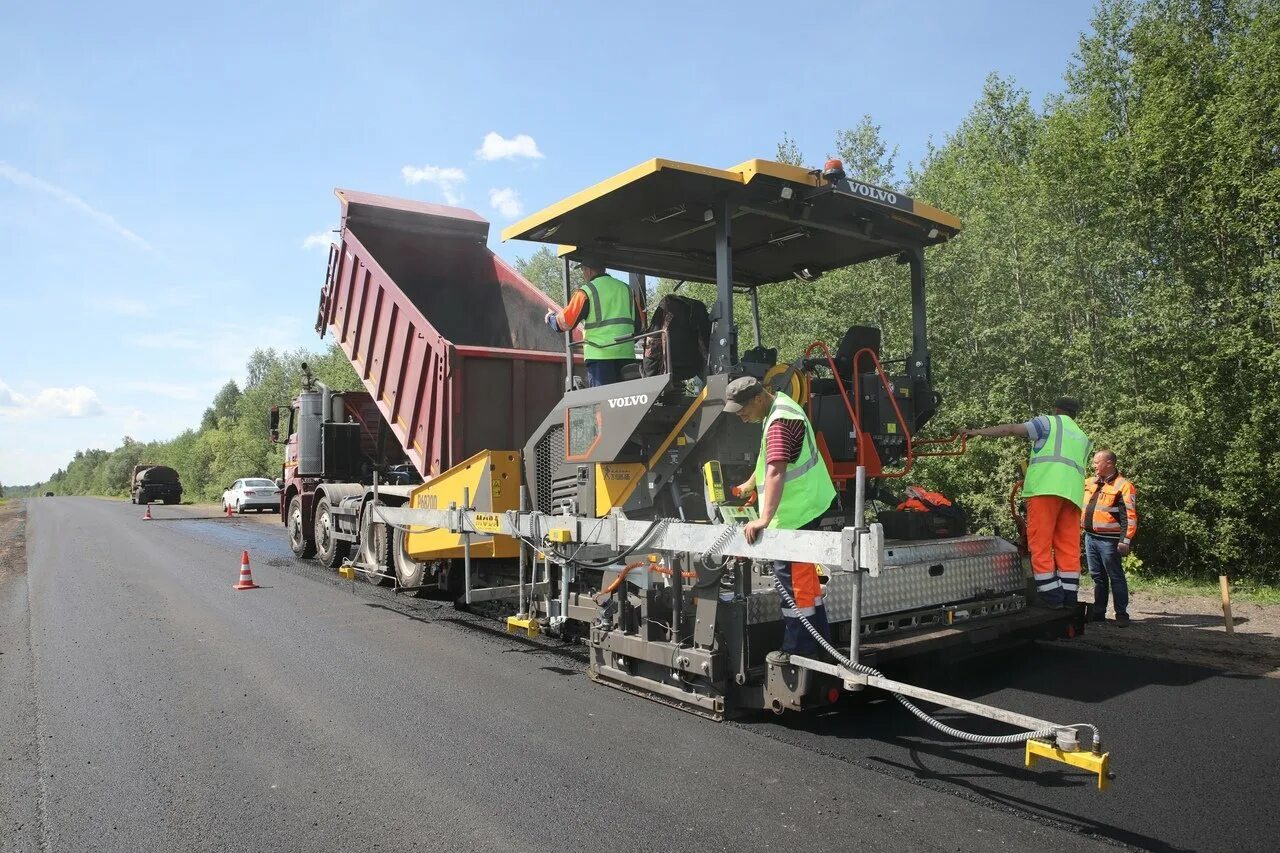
column 252, row 493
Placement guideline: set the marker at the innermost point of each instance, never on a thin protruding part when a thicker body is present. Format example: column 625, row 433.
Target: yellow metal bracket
column 1082, row 758
column 528, row 627
column 560, row 534
column 348, row 572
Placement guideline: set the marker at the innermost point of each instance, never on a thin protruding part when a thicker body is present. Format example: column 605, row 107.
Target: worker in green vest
column 797, row 494
column 608, row 310
column 1054, row 489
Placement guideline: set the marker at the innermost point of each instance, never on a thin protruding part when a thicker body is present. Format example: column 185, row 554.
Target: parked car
column 48, row 494
column 252, row 493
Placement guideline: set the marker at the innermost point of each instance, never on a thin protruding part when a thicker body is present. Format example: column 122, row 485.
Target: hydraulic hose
column 924, row 716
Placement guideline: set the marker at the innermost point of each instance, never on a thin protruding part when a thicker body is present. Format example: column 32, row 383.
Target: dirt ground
column 13, row 550
column 1186, row 629
column 1191, row 630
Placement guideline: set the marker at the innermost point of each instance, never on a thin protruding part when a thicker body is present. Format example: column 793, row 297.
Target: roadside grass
column 1240, row 590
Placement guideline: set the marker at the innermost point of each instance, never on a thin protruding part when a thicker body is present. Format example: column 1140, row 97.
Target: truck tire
column 330, row 550
column 409, row 572
column 300, row 541
column 374, row 536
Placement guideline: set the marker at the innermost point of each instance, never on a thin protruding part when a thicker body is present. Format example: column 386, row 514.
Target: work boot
column 1122, row 620
column 778, row 659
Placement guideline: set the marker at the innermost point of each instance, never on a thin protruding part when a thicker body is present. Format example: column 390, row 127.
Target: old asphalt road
column 147, row 706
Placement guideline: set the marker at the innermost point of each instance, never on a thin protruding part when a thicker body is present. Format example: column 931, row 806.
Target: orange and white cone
column 228, row 506
column 246, row 576
column 147, row 515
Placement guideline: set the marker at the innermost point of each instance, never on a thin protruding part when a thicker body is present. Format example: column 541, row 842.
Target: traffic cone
column 228, row 510
column 246, row 576
column 147, row 515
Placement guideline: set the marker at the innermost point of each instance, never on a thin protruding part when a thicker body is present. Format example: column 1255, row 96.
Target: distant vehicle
column 154, row 483
column 252, row 493
column 48, row 494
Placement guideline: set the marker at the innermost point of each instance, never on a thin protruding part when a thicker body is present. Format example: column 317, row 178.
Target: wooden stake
column 1226, row 604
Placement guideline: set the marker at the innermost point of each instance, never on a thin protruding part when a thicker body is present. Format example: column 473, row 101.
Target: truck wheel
column 300, row 542
column 373, row 544
column 330, row 550
column 409, row 572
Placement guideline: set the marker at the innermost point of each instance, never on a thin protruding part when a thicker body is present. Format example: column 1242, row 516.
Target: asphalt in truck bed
column 148, row 706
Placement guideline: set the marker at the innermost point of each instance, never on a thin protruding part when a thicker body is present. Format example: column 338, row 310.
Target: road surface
column 148, row 706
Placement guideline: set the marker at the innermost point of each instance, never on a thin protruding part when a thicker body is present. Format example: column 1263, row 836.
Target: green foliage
column 545, row 271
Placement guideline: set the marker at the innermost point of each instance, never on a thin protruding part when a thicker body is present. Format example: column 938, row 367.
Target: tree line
column 232, row 441
column 1120, row 245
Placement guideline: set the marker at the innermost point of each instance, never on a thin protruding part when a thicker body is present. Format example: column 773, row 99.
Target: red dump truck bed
column 447, row 338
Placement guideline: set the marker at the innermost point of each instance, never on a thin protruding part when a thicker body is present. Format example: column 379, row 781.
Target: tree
column 544, row 271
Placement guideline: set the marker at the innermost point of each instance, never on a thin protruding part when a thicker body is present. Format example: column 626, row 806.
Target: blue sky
column 163, row 168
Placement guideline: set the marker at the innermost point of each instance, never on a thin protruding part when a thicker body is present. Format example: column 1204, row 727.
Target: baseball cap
column 1070, row 405
column 740, row 392
column 588, row 261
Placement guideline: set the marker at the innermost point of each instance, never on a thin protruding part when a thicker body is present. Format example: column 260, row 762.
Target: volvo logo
column 873, row 193
column 633, row 400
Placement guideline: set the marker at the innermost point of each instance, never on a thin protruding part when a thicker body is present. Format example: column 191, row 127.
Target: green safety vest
column 611, row 314
column 807, row 490
column 1057, row 468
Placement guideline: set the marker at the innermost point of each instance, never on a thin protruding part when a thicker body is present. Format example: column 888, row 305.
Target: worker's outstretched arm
column 769, row 499
column 999, row 431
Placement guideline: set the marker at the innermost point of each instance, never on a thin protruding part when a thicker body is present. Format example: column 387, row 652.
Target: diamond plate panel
column 972, row 567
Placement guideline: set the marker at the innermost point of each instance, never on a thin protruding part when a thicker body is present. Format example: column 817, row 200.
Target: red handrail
column 884, row 381
column 951, row 439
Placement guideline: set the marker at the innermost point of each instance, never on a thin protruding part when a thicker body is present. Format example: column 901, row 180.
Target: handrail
column 951, row 439
column 884, row 381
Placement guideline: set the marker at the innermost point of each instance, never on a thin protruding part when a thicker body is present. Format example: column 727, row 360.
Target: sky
column 167, row 170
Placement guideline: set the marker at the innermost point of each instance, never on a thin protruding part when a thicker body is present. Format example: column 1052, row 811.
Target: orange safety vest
column 918, row 500
column 1110, row 509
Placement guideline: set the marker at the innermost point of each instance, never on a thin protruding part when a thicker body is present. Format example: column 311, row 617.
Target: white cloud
column 506, row 201
column 446, row 178
column 320, row 240
column 77, row 402
column 496, row 147
column 22, row 179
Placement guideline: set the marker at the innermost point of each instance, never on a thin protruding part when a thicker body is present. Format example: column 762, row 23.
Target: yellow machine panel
column 614, row 484
column 492, row 479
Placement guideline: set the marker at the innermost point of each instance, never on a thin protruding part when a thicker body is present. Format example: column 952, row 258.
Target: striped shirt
column 784, row 440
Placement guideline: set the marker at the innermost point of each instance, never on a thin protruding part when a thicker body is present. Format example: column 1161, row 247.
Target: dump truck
column 154, row 483
column 602, row 514
column 449, row 343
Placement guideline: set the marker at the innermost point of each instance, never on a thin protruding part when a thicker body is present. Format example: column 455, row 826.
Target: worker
column 1054, row 489
column 797, row 493
column 1110, row 522
column 608, row 310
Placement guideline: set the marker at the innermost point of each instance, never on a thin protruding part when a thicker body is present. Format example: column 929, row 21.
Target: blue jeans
column 1104, row 567
column 606, row 372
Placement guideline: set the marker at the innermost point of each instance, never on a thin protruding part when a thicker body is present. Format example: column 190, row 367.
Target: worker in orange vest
column 1110, row 522
column 1054, row 489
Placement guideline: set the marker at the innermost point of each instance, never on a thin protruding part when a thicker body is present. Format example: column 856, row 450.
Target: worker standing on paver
column 797, row 492
column 1110, row 522
column 608, row 310
column 1054, row 489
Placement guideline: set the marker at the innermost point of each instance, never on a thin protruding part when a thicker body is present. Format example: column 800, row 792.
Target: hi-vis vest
column 1057, row 468
column 611, row 314
column 807, row 490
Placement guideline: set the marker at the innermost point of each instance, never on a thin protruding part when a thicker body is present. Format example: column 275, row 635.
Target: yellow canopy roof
column 658, row 218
